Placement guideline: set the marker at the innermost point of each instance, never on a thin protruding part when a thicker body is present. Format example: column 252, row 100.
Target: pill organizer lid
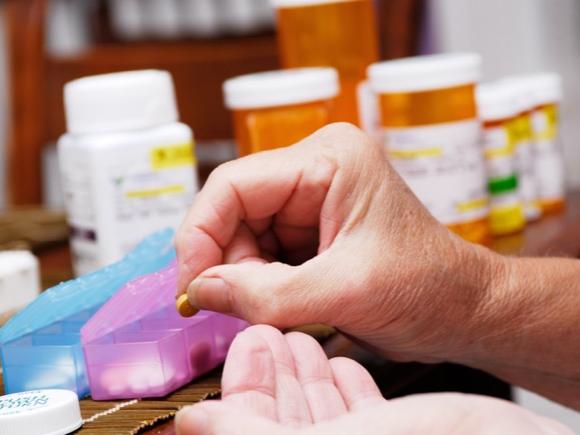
column 130, row 100
column 423, row 73
column 496, row 101
column 297, row 3
column 281, row 88
column 138, row 298
column 92, row 290
column 47, row 412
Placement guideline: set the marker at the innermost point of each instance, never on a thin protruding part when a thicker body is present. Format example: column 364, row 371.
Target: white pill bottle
column 127, row 164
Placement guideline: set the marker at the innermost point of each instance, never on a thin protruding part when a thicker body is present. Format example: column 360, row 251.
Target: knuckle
column 222, row 172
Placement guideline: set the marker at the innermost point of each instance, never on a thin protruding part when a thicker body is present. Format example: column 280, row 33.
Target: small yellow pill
column 184, row 308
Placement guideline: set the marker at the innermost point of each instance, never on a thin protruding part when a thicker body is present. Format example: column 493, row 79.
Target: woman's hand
column 326, row 232
column 284, row 384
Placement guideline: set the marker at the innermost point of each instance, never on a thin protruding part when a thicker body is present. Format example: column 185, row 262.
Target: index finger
column 252, row 188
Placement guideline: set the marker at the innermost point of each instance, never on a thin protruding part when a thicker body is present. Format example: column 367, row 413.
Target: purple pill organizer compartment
column 137, row 345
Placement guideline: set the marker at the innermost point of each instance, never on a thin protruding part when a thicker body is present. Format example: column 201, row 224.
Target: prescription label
column 147, row 190
column 172, row 156
column 443, row 165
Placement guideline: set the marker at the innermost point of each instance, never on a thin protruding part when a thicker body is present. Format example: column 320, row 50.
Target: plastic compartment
column 41, row 346
column 137, row 345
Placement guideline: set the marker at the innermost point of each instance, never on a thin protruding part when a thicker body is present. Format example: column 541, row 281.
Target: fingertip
column 192, row 420
column 356, row 385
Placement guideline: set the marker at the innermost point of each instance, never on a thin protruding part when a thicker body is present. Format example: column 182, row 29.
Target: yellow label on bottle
column 172, row 156
column 475, row 204
column 507, row 219
column 549, row 129
column 148, row 193
column 416, row 153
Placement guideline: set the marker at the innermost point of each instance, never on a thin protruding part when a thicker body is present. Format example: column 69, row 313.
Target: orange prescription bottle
column 498, row 111
column 279, row 108
column 338, row 33
column 548, row 155
column 431, row 133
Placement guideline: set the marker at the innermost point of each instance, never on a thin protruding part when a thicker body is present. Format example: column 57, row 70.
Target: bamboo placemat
column 129, row 417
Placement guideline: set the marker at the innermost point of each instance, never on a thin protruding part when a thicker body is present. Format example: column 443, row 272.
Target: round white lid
column 523, row 90
column 131, row 100
column 544, row 88
column 281, row 88
column 422, row 73
column 496, row 101
column 297, row 3
column 47, row 412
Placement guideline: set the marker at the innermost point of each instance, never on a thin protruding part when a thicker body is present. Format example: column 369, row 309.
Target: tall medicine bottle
column 546, row 141
column 338, row 33
column 127, row 164
column 431, row 133
column 498, row 111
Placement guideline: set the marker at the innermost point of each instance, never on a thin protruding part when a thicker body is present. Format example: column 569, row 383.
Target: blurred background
column 46, row 43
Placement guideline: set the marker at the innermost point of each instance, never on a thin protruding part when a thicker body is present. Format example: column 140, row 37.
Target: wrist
column 490, row 279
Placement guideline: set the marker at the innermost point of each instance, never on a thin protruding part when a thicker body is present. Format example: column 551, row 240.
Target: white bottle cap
column 524, row 92
column 296, row 3
column 281, row 88
column 130, row 100
column 543, row 88
column 423, row 73
column 47, row 412
column 497, row 101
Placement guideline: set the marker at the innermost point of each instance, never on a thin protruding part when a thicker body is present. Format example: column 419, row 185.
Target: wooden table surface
column 552, row 236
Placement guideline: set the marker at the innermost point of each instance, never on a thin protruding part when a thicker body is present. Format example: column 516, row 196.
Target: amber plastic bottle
column 431, row 133
column 279, row 108
column 338, row 33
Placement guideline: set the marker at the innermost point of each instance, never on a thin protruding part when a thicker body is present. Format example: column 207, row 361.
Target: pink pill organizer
column 138, row 346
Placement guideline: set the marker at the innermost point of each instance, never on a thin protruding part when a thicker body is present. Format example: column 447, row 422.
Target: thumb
column 273, row 293
column 219, row 418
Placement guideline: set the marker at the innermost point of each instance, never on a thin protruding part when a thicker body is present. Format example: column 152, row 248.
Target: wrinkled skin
column 354, row 248
column 326, row 232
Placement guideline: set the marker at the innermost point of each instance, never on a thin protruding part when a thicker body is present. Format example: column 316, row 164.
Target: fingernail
column 214, row 291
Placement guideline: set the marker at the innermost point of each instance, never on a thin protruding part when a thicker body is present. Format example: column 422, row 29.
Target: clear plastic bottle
column 338, row 33
column 127, row 164
column 498, row 111
column 431, row 133
column 279, row 108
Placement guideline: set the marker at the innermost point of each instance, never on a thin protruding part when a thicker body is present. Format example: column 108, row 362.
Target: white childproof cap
column 47, row 412
column 538, row 89
column 424, row 73
column 281, row 88
column 497, row 101
column 131, row 100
